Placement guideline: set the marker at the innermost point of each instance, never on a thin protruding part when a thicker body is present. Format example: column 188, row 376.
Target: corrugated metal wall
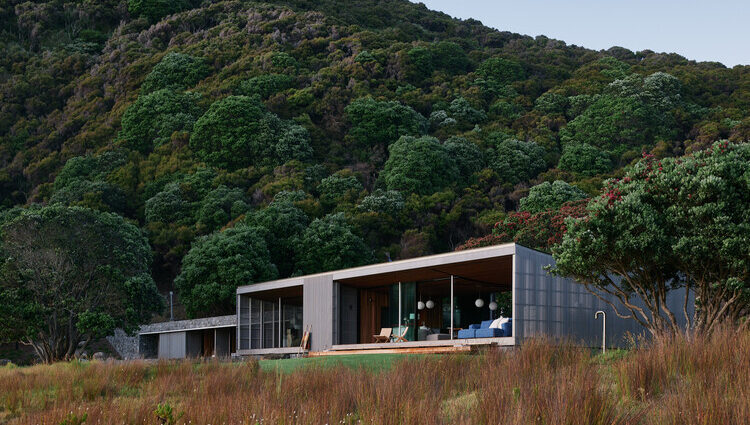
column 319, row 310
column 562, row 308
column 172, row 345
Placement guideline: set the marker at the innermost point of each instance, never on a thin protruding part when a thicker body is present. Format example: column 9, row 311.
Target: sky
column 709, row 30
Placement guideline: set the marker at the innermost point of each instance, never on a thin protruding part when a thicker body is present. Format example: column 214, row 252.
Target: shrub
column 176, row 71
column 151, row 120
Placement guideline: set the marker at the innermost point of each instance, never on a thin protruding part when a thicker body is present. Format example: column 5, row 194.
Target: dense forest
column 250, row 141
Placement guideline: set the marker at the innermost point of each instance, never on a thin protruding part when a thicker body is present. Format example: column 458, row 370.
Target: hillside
column 326, row 134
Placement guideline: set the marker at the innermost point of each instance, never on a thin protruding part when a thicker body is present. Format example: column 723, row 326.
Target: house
column 435, row 302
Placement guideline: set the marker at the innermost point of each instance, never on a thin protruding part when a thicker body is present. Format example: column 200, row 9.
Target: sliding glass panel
column 255, row 325
column 269, row 319
column 244, row 322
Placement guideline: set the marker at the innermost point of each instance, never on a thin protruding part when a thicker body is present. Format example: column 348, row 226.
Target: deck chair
column 402, row 337
column 385, row 335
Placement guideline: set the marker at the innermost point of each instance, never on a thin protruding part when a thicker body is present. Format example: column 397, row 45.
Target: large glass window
column 255, row 328
column 270, row 324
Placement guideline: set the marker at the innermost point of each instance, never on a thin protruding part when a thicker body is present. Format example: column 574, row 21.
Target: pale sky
column 717, row 30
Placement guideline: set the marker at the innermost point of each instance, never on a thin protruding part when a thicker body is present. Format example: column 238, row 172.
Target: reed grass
column 704, row 380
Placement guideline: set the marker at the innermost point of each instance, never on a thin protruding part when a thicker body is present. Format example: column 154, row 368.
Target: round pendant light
column 493, row 306
column 479, row 303
column 430, row 304
column 420, row 305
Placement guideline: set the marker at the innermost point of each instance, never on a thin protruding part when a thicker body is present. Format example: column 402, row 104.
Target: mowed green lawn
column 373, row 362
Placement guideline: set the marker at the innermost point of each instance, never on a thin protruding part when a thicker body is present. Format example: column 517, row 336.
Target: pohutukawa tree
column 72, row 275
column 672, row 223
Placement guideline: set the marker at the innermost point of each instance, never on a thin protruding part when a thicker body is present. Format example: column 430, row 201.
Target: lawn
column 698, row 381
column 372, row 362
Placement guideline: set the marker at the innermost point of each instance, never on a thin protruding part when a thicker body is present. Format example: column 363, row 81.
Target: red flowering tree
column 540, row 230
column 672, row 223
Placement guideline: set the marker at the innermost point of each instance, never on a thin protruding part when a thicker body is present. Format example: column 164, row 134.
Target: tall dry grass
column 701, row 381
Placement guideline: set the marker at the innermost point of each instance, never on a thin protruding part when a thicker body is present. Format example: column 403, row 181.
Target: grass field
column 701, row 381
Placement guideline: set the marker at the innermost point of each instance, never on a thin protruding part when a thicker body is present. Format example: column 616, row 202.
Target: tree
column 176, row 72
column 468, row 157
column 418, row 165
column 674, row 223
column 541, row 230
column 238, row 131
column 265, row 85
column 382, row 123
column 151, row 120
column 217, row 264
column 584, row 159
column 338, row 187
column 550, row 196
column 70, row 275
column 503, row 71
column 389, row 202
column 516, row 161
column 329, row 243
column 283, row 225
column 157, row 9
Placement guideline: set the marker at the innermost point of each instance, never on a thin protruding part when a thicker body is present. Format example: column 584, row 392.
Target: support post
column 281, row 323
column 452, row 308
column 399, row 308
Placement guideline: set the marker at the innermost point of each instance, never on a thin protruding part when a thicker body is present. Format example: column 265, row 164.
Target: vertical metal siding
column 561, row 308
column 318, row 310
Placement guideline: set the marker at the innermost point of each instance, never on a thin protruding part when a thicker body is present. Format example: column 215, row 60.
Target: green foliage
column 467, row 156
column 283, row 224
column 634, row 112
column 71, row 275
column 548, row 195
column 382, row 123
column 418, row 165
column 154, row 117
column 584, row 159
column 166, row 414
column 516, row 161
column 176, row 71
column 157, row 9
column 217, row 264
column 97, row 195
column 338, row 187
column 265, row 85
column 501, row 70
column 329, row 243
column 89, row 167
column 238, row 131
column 389, row 202
column 669, row 223
column 73, row 419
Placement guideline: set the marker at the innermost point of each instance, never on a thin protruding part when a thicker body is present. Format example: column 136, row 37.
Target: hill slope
column 339, row 131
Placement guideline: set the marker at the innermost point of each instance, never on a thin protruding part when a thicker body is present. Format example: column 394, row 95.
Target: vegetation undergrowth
column 703, row 380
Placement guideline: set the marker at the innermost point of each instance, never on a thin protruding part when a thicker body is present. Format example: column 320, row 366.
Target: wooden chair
column 402, row 337
column 385, row 335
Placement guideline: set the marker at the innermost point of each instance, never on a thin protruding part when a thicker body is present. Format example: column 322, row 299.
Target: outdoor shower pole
column 452, row 330
column 171, row 306
column 281, row 322
column 604, row 329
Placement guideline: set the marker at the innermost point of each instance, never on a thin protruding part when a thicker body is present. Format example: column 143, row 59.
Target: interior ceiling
column 274, row 294
column 485, row 273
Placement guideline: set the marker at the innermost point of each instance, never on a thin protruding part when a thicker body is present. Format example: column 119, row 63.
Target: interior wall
column 371, row 305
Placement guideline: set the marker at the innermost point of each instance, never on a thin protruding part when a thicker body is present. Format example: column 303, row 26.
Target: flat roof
column 190, row 325
column 429, row 266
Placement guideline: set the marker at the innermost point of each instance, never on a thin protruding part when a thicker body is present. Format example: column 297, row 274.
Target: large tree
column 673, row 223
column 217, row 264
column 329, row 243
column 238, row 131
column 70, row 275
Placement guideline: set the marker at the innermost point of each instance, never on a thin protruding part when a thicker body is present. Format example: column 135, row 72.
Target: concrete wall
column 561, row 308
column 320, row 311
column 172, row 345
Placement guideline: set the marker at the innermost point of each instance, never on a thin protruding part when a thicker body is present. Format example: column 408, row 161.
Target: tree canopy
column 71, row 275
column 238, row 131
column 217, row 264
column 546, row 196
column 671, row 223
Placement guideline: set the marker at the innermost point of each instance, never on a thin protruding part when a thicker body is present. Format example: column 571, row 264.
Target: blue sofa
column 483, row 330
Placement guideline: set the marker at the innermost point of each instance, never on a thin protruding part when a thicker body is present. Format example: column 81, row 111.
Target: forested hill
column 299, row 136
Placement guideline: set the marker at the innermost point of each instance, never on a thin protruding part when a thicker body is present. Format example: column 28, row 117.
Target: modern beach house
column 457, row 301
